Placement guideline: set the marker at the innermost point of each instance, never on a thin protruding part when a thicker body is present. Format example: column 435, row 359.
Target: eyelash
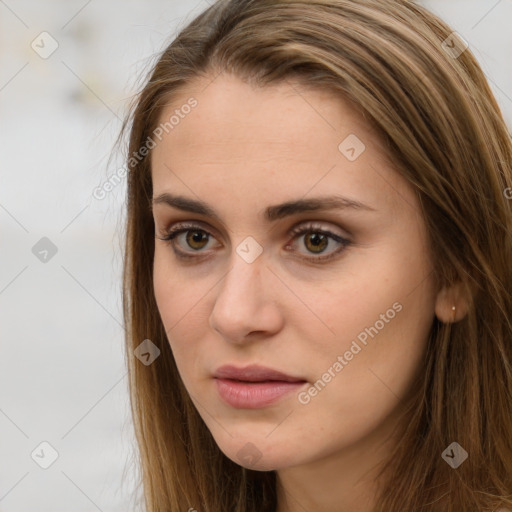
column 171, row 234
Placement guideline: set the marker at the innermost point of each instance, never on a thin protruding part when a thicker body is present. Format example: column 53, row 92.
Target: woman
column 318, row 261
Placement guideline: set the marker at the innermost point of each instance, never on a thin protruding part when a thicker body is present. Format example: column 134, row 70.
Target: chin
column 258, row 454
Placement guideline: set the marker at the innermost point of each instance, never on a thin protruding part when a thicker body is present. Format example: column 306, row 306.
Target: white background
column 62, row 374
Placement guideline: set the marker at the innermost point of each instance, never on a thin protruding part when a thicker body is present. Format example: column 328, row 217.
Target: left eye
column 316, row 241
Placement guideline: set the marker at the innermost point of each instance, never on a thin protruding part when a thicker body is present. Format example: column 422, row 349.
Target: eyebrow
column 271, row 213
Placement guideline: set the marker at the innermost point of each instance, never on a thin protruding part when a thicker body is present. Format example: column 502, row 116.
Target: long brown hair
column 446, row 136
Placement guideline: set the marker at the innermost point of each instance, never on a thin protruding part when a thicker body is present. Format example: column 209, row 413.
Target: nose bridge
column 241, row 302
column 243, row 280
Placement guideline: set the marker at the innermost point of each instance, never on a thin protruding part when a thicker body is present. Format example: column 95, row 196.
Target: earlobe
column 451, row 306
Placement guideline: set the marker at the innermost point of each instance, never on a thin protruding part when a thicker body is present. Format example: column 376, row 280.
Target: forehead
column 279, row 113
column 263, row 140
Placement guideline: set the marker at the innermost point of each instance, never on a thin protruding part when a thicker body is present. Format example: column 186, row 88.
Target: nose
column 246, row 302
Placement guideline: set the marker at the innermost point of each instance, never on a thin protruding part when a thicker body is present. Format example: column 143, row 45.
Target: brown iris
column 196, row 237
column 317, row 240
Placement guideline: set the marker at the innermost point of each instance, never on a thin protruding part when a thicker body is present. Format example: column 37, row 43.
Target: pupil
column 195, row 237
column 317, row 240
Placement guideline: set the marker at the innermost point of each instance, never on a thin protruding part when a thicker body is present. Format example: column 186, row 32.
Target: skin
column 240, row 150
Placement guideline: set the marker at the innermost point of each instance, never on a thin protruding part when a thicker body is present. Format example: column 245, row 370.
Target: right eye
column 196, row 239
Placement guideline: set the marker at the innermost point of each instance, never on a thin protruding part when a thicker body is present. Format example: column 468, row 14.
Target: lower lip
column 254, row 395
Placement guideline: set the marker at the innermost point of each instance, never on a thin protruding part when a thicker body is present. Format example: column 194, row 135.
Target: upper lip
column 253, row 373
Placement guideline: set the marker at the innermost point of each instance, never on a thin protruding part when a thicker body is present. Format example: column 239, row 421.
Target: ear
column 451, row 305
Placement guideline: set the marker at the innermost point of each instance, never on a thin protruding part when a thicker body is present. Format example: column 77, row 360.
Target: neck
column 344, row 481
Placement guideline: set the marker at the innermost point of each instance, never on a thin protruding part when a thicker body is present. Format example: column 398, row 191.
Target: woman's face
column 346, row 314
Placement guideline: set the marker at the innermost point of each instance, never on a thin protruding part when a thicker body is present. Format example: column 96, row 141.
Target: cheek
column 380, row 358
column 177, row 300
column 179, row 291
column 379, row 316
column 166, row 286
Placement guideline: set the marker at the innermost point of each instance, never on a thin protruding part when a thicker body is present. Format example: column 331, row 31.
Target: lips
column 254, row 387
column 254, row 373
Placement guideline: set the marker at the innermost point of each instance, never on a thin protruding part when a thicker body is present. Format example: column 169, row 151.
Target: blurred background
column 67, row 72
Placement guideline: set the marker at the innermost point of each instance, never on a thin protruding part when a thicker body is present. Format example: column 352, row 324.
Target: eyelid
column 294, row 230
column 300, row 228
column 168, row 235
column 321, row 225
column 315, row 227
